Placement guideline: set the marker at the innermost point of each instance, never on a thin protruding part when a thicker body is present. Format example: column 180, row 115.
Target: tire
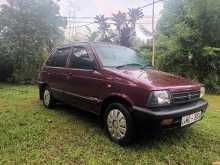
column 119, row 124
column 48, row 99
column 41, row 93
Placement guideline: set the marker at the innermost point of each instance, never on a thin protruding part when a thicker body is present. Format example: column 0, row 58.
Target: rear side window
column 59, row 58
column 80, row 59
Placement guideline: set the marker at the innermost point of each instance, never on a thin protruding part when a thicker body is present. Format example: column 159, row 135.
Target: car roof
column 84, row 44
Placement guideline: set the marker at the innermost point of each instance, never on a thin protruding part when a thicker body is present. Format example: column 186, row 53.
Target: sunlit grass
column 31, row 134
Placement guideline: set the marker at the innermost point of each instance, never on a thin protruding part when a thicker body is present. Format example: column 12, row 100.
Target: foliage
column 28, row 28
column 134, row 14
column 146, row 52
column 6, row 62
column 92, row 35
column 188, row 40
column 120, row 21
column 104, row 28
column 125, row 24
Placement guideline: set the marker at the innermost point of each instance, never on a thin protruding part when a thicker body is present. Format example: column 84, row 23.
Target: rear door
column 84, row 79
column 55, row 71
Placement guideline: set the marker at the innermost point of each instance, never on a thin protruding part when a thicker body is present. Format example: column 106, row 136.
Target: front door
column 84, row 81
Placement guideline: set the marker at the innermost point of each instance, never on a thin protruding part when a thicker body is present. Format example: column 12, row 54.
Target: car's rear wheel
column 48, row 99
column 119, row 124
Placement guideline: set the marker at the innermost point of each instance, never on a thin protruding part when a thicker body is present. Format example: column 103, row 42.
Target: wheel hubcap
column 116, row 123
column 47, row 97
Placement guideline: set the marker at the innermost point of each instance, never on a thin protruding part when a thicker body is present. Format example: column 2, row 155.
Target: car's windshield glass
column 118, row 56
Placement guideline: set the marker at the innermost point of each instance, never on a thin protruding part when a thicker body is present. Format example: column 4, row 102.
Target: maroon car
column 117, row 84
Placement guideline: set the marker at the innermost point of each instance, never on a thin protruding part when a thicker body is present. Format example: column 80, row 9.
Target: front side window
column 80, row 59
column 116, row 56
column 59, row 58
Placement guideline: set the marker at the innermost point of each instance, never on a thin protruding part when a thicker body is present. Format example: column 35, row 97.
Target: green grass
column 31, row 134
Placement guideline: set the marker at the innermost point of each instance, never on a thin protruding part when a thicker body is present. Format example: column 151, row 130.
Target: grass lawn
column 31, row 134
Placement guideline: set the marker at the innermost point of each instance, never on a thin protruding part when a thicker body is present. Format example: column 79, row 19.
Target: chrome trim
column 55, row 67
column 77, row 95
column 47, row 97
column 185, row 92
column 69, row 68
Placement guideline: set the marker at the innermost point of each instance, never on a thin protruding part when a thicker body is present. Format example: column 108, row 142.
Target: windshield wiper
column 133, row 64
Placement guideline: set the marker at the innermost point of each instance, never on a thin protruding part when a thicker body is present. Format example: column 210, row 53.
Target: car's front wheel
column 119, row 124
column 48, row 99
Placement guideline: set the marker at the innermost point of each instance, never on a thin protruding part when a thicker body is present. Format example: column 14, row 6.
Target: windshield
column 118, row 56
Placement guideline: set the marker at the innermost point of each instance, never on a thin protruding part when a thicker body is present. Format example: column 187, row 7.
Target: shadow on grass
column 82, row 115
column 146, row 137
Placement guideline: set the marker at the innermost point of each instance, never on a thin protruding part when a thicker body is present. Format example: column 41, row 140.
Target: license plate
column 186, row 120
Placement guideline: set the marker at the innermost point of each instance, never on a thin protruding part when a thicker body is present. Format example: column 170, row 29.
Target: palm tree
column 125, row 38
column 123, row 29
column 134, row 14
column 103, row 27
column 120, row 20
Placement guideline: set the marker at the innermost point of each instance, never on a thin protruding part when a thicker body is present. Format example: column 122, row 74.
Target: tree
column 125, row 37
column 103, row 28
column 126, row 26
column 28, row 28
column 92, row 36
column 189, row 40
column 134, row 14
column 120, row 21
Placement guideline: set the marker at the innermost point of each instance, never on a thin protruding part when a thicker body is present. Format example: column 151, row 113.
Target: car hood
column 159, row 80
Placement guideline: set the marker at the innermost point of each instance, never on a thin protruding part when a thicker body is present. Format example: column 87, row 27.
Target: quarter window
column 59, row 58
column 50, row 61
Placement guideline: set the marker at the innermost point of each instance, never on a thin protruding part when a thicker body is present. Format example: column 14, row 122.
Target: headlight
column 159, row 98
column 202, row 92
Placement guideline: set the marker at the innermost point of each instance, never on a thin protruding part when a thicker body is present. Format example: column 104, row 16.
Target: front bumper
column 149, row 117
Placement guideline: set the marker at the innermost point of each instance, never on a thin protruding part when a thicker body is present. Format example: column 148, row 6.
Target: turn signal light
column 167, row 121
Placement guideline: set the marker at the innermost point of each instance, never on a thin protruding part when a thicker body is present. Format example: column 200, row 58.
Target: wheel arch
column 113, row 99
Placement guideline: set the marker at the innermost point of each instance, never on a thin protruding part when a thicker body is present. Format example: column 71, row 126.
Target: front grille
column 185, row 97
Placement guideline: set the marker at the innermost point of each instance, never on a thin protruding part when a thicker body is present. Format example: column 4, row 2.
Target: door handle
column 68, row 76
